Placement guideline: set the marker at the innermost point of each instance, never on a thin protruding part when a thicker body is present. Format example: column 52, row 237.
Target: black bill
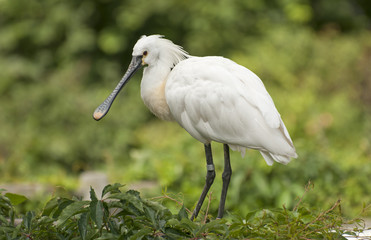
column 102, row 110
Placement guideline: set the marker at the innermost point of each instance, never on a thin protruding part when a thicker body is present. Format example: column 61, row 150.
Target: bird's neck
column 153, row 91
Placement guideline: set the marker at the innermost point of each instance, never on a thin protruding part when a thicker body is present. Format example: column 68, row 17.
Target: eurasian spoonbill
column 213, row 99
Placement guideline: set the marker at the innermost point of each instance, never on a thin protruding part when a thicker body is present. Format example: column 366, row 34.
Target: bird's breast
column 155, row 100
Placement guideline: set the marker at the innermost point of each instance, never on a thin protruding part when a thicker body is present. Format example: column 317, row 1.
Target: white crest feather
column 170, row 53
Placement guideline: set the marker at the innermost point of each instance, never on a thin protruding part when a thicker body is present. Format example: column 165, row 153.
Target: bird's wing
column 254, row 92
column 251, row 88
column 215, row 99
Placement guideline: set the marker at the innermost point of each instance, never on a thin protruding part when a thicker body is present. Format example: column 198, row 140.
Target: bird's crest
column 169, row 52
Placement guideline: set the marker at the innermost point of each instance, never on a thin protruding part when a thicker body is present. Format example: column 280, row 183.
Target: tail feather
column 240, row 149
column 267, row 157
column 270, row 158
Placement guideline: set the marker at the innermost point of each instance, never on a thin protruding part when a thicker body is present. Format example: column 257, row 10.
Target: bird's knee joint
column 210, row 175
column 210, row 178
column 227, row 175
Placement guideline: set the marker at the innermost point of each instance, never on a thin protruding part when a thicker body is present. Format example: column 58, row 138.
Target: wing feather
column 215, row 99
column 252, row 89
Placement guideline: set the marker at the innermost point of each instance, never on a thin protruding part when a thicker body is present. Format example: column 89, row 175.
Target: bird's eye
column 145, row 53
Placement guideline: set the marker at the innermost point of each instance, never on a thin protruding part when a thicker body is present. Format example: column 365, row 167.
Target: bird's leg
column 226, row 176
column 209, row 179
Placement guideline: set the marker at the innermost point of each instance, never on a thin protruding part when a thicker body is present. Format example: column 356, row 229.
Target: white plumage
column 213, row 99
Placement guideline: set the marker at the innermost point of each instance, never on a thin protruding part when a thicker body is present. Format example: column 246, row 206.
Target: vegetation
column 125, row 215
column 60, row 59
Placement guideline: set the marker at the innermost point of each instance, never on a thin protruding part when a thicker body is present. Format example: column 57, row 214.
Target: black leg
column 209, row 179
column 227, row 173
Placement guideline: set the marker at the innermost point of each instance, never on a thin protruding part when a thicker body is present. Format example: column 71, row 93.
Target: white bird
column 213, row 99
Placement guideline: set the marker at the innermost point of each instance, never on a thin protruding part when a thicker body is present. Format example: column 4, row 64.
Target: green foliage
column 125, row 215
column 15, row 199
column 60, row 59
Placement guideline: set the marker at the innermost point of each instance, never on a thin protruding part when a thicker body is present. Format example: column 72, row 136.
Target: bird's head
column 149, row 50
column 155, row 49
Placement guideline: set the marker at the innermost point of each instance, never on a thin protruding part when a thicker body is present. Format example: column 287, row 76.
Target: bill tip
column 97, row 115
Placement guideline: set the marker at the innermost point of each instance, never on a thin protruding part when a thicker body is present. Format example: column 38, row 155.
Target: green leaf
column 188, row 225
column 96, row 209
column 27, row 220
column 62, row 204
column 218, row 224
column 182, row 213
column 71, row 210
column 82, row 225
column 50, row 206
column 150, row 214
column 130, row 198
column 141, row 233
column 115, row 188
column 154, row 205
column 15, row 199
column 108, row 236
column 96, row 212
column 173, row 222
column 93, row 196
column 250, row 216
column 176, row 234
column 113, row 227
column 3, row 220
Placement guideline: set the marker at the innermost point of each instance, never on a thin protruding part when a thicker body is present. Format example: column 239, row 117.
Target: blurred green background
column 60, row 59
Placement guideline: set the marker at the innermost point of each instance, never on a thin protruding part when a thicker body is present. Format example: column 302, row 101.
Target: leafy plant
column 60, row 59
column 125, row 215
